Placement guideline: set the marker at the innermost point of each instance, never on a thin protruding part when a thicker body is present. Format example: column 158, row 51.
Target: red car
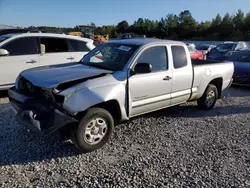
column 195, row 54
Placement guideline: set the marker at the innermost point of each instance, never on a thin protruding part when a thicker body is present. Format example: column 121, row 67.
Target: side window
column 22, row 46
column 53, row 45
column 156, row 56
column 78, row 46
column 179, row 56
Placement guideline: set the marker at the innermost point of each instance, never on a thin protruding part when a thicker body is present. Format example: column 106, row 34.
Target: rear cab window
column 22, row 46
column 179, row 56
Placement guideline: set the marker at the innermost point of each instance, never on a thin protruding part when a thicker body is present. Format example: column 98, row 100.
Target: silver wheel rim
column 95, row 130
column 210, row 98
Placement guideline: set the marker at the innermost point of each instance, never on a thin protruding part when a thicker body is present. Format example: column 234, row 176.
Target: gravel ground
column 177, row 147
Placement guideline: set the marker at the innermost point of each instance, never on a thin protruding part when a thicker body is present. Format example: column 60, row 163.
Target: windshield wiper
column 97, row 66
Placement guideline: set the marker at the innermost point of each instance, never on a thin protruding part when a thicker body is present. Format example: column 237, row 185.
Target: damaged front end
column 39, row 110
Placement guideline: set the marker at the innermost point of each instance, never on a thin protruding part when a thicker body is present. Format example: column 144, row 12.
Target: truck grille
column 27, row 88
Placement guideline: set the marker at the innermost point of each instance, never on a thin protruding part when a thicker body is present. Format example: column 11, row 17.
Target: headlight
column 30, row 87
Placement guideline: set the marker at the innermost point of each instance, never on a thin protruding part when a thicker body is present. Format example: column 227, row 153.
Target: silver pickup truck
column 115, row 81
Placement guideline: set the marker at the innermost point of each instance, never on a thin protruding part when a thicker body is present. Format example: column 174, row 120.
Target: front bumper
column 37, row 116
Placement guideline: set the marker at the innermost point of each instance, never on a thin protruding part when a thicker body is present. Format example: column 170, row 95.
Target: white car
column 19, row 52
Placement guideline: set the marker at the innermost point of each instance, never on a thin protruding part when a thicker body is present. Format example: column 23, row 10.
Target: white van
column 19, row 52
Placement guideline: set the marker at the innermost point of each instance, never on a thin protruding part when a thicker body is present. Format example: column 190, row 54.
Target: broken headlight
column 30, row 87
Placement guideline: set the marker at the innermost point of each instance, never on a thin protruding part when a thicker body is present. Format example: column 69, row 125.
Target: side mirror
column 42, row 46
column 143, row 68
column 4, row 52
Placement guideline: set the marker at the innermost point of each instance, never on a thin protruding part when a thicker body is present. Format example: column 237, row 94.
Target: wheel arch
column 217, row 82
column 112, row 106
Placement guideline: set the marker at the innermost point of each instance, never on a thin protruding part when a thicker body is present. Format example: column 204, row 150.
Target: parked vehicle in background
column 134, row 77
column 76, row 33
column 130, row 36
column 205, row 48
column 28, row 50
column 241, row 61
column 225, row 49
column 191, row 44
column 101, row 38
column 97, row 42
column 195, row 54
column 15, row 30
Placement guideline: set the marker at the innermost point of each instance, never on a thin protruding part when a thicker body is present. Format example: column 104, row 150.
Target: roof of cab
column 143, row 41
column 16, row 35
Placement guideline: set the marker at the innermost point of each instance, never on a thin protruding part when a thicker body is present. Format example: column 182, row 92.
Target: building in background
column 7, row 27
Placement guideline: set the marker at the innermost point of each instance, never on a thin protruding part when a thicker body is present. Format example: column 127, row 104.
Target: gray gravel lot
column 177, row 147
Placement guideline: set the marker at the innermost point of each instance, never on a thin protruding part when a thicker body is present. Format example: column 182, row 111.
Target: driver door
column 151, row 91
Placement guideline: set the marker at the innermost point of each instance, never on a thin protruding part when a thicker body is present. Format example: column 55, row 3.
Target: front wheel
column 209, row 98
column 94, row 130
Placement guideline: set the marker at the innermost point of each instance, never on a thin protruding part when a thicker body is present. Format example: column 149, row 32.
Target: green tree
column 226, row 27
column 122, row 27
column 217, row 21
column 187, row 25
column 238, row 23
column 183, row 26
column 169, row 25
column 238, row 19
column 246, row 27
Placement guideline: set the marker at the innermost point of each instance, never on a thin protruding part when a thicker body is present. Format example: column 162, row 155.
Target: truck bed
column 196, row 62
column 205, row 71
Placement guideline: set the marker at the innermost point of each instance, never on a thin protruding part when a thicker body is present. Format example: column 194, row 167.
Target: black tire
column 203, row 102
column 79, row 135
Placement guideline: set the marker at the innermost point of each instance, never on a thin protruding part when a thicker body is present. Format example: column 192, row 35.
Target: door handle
column 167, row 78
column 32, row 61
column 70, row 58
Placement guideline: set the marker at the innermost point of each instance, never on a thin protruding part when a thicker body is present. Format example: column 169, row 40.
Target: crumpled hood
column 52, row 76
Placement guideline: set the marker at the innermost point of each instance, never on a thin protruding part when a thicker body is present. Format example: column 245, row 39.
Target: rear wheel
column 94, row 130
column 209, row 98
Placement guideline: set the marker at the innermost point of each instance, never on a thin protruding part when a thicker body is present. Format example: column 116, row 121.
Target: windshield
column 242, row 56
column 225, row 47
column 110, row 56
column 202, row 47
column 3, row 38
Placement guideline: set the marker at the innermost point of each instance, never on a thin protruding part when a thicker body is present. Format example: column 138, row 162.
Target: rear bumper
column 33, row 116
column 230, row 83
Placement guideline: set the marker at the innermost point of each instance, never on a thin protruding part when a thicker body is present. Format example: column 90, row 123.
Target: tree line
column 179, row 27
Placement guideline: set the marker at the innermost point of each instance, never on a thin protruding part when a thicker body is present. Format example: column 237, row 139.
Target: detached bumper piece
column 40, row 117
